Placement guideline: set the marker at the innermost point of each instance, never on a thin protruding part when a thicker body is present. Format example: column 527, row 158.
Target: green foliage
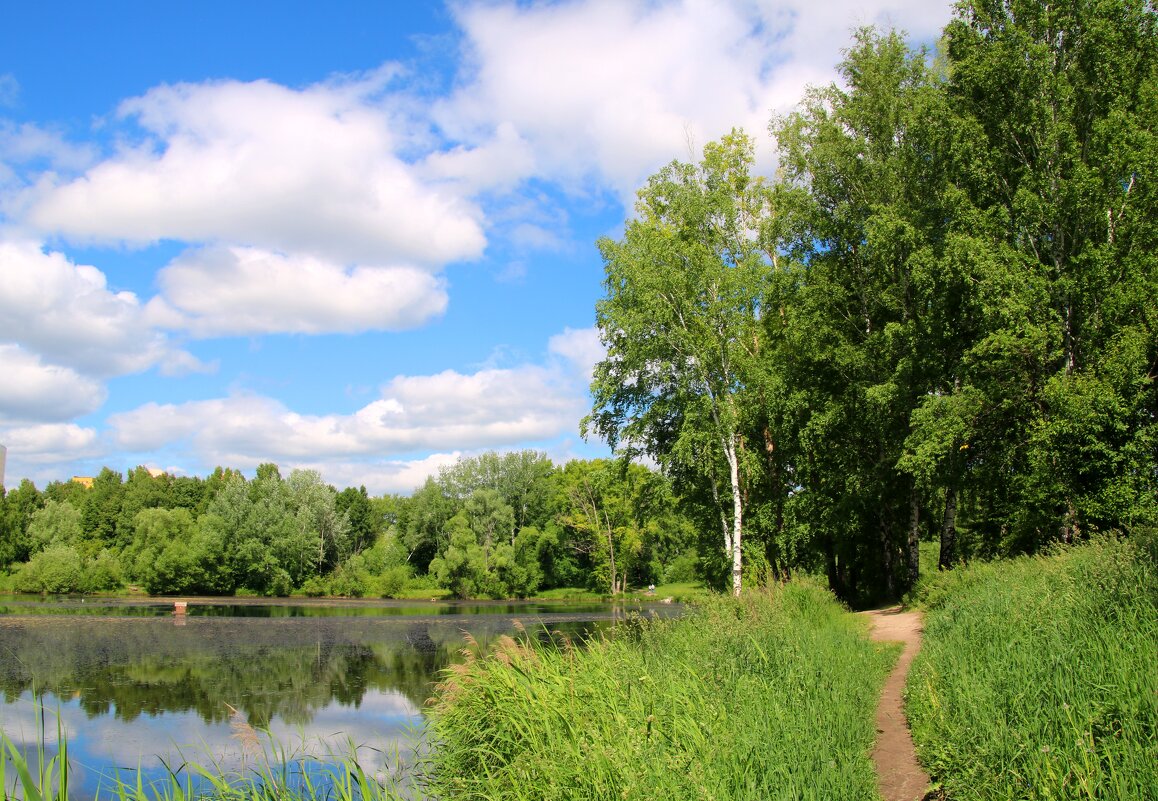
column 101, row 509
column 17, row 506
column 56, row 523
column 392, row 581
column 462, row 567
column 682, row 569
column 268, row 536
column 356, row 506
column 162, row 556
column 1038, row 678
column 55, row 570
column 351, row 580
column 103, row 573
column 767, row 696
column 681, row 319
column 939, row 318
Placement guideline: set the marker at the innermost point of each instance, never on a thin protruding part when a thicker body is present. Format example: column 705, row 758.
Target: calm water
column 133, row 685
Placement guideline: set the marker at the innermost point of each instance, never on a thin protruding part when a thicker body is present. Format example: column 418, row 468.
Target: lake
column 132, row 684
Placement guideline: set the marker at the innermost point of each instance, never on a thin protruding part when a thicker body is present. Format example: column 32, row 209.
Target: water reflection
column 135, row 684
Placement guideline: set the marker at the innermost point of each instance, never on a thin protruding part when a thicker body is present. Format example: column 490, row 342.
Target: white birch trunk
column 737, row 514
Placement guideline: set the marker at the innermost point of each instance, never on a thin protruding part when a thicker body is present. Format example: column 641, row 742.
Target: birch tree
column 679, row 321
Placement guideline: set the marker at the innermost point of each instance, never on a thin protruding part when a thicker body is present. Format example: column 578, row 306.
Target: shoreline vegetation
column 1037, row 679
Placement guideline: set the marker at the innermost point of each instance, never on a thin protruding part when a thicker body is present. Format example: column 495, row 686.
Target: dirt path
column 900, row 778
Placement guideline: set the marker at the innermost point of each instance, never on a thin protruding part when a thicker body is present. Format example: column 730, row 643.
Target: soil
column 899, row 776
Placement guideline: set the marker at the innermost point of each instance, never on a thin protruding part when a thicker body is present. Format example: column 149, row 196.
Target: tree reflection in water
column 146, row 689
column 287, row 668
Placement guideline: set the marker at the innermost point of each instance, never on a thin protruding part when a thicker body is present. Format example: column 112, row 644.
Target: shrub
column 103, row 574
column 57, row 569
column 350, row 580
column 393, row 581
column 682, row 569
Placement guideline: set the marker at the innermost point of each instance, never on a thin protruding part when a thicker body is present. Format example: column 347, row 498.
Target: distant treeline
column 494, row 525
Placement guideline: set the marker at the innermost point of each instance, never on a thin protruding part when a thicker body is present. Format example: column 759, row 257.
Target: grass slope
column 767, row 697
column 1038, row 678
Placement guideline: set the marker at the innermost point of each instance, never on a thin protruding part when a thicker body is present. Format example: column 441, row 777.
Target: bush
column 350, row 580
column 103, row 574
column 393, row 581
column 55, row 570
column 682, row 569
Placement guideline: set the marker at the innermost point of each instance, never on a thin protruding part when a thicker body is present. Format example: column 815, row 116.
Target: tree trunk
column 723, row 515
column 914, row 551
column 737, row 515
column 949, row 531
column 834, row 583
column 611, row 552
column 887, row 556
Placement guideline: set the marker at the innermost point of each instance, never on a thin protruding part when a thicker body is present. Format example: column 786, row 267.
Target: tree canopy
column 936, row 322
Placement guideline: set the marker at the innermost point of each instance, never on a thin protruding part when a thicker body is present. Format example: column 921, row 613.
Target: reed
column 770, row 696
column 275, row 774
column 1038, row 678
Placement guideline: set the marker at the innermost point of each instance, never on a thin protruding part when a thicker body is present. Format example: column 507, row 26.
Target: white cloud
column 582, row 347
column 611, row 90
column 9, row 90
column 34, row 391
column 449, row 410
column 415, row 425
column 28, row 147
column 260, row 164
column 395, row 476
column 249, row 291
column 66, row 313
column 498, row 164
column 48, row 444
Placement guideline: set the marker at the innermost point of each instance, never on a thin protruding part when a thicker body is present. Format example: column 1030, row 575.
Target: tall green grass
column 274, row 775
column 1038, row 678
column 767, row 697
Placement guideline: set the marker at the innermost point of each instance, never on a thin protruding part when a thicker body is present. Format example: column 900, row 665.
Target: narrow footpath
column 899, row 776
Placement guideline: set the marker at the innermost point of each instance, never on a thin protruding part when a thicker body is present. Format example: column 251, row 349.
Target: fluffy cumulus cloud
column 417, row 424
column 609, row 90
column 581, row 347
column 234, row 290
column 32, row 390
column 51, row 443
column 66, row 314
column 381, row 476
column 263, row 165
column 448, row 410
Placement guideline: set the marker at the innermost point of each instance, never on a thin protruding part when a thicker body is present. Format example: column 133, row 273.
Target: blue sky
column 356, row 237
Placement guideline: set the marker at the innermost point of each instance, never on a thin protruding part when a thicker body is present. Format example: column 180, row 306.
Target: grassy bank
column 1038, row 678
column 768, row 697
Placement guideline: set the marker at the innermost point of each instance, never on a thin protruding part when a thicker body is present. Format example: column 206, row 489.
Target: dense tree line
column 489, row 526
column 938, row 321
